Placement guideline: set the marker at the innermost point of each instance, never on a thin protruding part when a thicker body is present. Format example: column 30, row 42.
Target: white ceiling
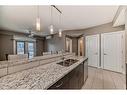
column 22, row 18
column 120, row 20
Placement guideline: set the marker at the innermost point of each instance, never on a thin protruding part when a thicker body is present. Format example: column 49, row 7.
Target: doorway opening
column 81, row 46
column 68, row 44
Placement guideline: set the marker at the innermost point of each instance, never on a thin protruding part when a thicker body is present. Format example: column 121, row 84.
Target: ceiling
column 120, row 17
column 23, row 18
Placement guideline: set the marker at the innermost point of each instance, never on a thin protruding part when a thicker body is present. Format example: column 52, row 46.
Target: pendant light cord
column 38, row 11
column 60, row 20
column 51, row 15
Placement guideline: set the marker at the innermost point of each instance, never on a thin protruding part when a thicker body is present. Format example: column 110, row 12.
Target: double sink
column 67, row 62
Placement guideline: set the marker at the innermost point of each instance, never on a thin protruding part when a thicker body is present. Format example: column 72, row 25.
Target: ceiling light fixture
column 51, row 26
column 60, row 30
column 38, row 23
column 51, row 15
column 51, row 29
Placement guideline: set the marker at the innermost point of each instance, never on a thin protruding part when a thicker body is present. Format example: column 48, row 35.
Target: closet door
column 92, row 50
column 112, row 51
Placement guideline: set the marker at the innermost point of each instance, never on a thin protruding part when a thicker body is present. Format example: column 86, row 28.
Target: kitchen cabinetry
column 74, row 79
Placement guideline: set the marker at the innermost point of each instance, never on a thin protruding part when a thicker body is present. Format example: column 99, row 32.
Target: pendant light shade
column 60, row 32
column 38, row 25
column 51, row 29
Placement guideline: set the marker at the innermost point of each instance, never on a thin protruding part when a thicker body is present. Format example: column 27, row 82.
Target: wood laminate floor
column 103, row 79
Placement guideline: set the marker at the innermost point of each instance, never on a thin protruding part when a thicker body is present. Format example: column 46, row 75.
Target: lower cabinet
column 85, row 69
column 74, row 79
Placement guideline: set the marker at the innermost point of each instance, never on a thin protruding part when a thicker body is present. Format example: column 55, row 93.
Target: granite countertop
column 41, row 77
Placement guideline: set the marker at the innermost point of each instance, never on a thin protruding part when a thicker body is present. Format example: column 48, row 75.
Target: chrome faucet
column 62, row 55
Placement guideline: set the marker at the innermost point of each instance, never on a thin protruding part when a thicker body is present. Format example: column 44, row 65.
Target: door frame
column 123, row 54
column 98, row 35
column 70, row 40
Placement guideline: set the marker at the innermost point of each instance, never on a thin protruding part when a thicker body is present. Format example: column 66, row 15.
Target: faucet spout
column 62, row 56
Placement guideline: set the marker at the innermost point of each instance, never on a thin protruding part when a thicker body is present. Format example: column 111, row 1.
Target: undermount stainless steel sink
column 67, row 62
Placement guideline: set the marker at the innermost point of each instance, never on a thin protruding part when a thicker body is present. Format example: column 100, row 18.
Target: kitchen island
column 41, row 77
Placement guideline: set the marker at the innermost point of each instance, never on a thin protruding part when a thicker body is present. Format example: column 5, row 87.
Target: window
column 31, row 49
column 20, row 47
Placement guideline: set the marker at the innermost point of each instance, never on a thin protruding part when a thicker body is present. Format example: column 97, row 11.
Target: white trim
column 102, row 49
column 98, row 50
column 124, row 65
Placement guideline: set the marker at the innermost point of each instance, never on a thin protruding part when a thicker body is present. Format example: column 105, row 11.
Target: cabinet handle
column 82, row 62
column 105, row 54
column 59, row 84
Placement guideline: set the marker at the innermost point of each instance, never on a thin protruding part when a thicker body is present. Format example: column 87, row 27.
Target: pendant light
column 51, row 29
column 38, row 25
column 60, row 30
column 51, row 26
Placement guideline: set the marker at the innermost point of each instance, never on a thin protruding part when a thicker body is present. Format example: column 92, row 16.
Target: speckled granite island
column 40, row 77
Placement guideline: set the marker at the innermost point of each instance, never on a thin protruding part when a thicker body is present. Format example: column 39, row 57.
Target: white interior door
column 92, row 50
column 112, row 51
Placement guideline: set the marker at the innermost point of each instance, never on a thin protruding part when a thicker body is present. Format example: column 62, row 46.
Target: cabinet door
column 73, row 79
column 76, row 79
column 78, row 76
column 85, row 69
column 61, row 84
column 81, row 75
